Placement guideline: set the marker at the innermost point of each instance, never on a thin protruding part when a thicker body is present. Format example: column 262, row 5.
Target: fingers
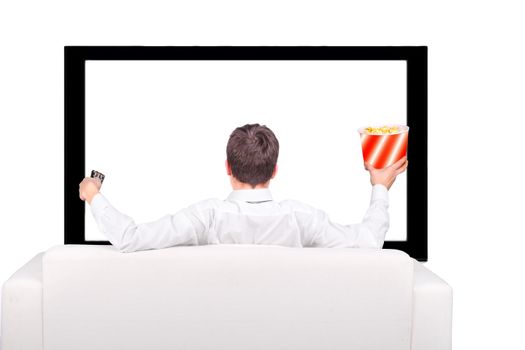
column 400, row 163
column 86, row 186
column 369, row 166
column 95, row 180
column 402, row 168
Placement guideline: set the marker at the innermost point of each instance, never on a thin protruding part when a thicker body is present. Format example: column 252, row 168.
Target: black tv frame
column 416, row 59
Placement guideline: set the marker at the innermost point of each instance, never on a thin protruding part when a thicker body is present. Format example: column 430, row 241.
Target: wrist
column 378, row 182
column 90, row 197
column 380, row 185
column 379, row 192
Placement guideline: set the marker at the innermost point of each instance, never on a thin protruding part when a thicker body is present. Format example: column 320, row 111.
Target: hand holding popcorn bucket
column 383, row 146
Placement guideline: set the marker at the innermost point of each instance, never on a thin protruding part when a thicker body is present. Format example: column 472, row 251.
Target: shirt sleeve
column 188, row 226
column 369, row 233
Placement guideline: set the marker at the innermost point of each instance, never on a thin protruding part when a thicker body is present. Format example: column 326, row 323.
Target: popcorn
column 385, row 130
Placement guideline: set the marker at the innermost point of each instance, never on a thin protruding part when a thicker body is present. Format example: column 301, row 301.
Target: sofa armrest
column 432, row 311
column 22, row 308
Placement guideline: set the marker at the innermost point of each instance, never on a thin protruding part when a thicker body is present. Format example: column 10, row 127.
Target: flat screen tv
column 156, row 120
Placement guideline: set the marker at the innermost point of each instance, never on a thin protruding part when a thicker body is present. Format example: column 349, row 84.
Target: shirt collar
column 255, row 195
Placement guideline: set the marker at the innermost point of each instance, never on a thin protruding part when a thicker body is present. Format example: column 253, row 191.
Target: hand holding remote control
column 90, row 186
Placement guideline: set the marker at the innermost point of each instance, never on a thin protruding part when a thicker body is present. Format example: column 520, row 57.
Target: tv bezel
column 75, row 58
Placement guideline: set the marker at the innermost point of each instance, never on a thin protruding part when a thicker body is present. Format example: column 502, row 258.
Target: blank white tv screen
column 158, row 130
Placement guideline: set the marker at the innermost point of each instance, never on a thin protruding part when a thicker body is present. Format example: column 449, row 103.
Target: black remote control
column 97, row 175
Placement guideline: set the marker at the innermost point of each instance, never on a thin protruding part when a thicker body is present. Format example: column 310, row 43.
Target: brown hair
column 252, row 153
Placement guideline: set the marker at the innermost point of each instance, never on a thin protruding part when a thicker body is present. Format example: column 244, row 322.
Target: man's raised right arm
column 319, row 231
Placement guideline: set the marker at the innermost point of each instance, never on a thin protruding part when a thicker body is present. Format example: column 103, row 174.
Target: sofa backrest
column 226, row 297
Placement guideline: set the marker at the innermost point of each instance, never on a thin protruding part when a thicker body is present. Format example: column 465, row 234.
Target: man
column 249, row 215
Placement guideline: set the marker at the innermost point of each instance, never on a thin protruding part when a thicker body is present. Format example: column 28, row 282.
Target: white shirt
column 245, row 217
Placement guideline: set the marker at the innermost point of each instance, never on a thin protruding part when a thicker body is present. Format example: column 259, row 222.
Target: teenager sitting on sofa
column 248, row 215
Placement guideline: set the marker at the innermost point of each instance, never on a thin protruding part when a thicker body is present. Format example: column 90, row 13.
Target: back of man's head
column 252, row 153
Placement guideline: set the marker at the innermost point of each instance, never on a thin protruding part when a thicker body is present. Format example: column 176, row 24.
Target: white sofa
column 225, row 297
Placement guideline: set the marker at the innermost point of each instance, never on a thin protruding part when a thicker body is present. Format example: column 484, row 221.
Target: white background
column 168, row 122
column 476, row 116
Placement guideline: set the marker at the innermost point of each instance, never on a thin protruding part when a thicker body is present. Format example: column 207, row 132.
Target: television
column 156, row 119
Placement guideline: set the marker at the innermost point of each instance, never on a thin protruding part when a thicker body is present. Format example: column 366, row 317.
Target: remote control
column 97, row 175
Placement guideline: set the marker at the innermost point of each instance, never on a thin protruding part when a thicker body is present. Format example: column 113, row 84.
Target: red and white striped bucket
column 384, row 149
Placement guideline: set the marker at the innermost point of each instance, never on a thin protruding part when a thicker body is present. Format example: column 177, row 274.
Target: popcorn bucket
column 383, row 146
